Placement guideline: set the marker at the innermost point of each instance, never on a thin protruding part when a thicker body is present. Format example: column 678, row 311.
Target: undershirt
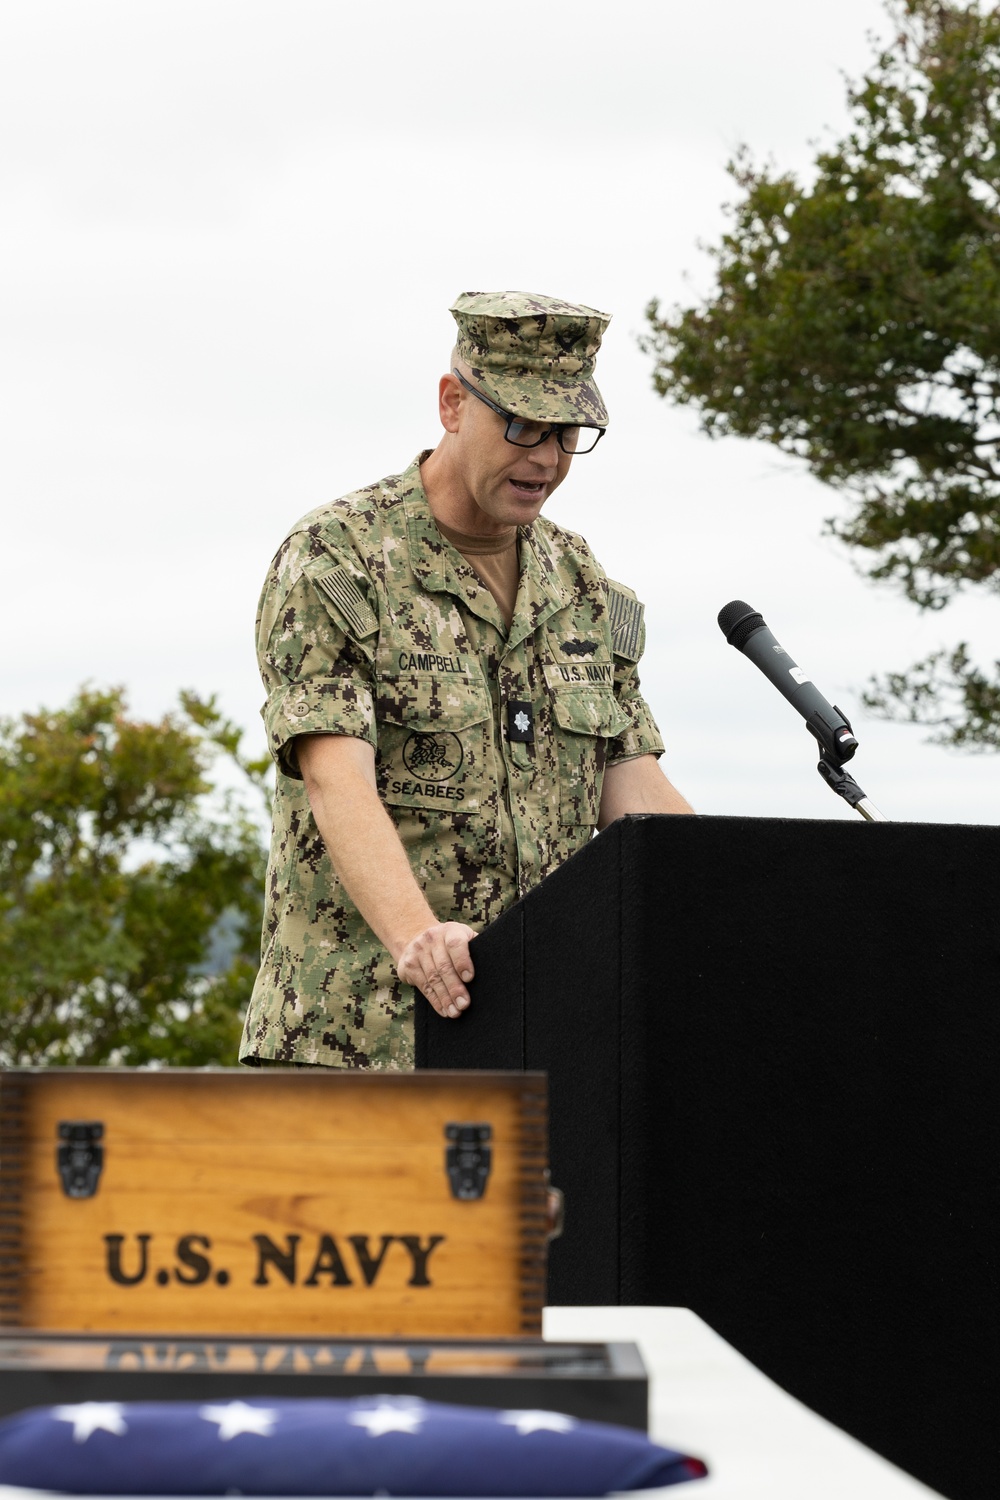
column 494, row 560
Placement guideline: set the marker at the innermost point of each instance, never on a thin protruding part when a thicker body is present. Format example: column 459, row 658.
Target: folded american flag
column 395, row 1445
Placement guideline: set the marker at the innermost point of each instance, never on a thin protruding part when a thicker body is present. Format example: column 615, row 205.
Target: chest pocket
column 435, row 746
column 584, row 719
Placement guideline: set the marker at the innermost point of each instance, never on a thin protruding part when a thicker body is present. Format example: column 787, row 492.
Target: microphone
column 745, row 629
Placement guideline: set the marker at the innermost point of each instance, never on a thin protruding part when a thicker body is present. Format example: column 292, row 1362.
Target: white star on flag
column 388, row 1419
column 92, row 1416
column 521, row 720
column 537, row 1421
column 237, row 1417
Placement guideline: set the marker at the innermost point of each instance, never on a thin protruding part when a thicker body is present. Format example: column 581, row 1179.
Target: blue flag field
column 387, row 1445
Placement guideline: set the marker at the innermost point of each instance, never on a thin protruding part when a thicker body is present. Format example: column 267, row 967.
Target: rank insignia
column 520, row 722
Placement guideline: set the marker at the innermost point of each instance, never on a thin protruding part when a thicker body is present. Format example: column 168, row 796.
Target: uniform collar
column 540, row 592
column 433, row 559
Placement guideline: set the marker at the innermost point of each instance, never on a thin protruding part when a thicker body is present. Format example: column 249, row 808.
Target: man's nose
column 547, row 453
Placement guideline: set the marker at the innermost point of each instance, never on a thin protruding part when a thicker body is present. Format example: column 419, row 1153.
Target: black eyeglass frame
column 559, row 428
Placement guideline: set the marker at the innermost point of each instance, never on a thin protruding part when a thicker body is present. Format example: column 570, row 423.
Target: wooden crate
column 230, row 1201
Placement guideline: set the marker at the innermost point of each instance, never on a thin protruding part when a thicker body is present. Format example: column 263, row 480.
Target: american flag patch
column 625, row 614
column 341, row 589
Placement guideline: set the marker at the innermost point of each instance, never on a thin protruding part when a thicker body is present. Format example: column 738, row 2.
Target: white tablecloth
column 759, row 1443
column 706, row 1399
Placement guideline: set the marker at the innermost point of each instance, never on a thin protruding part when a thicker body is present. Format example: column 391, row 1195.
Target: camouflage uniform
column 490, row 745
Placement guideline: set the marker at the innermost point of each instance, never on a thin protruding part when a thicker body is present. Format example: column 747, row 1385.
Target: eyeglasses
column 525, row 434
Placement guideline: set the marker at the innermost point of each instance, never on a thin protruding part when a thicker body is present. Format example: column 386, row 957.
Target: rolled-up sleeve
column 317, row 675
column 642, row 737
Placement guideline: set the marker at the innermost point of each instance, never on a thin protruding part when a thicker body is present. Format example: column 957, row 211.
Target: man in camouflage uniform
column 442, row 744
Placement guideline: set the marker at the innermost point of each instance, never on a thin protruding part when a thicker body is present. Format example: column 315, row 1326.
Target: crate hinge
column 468, row 1158
column 80, row 1156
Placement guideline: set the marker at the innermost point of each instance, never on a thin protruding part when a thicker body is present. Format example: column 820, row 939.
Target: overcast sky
column 230, row 233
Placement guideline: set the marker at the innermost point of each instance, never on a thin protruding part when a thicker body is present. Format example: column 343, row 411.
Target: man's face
column 508, row 484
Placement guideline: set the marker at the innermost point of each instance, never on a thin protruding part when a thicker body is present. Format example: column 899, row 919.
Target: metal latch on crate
column 80, row 1156
column 468, row 1159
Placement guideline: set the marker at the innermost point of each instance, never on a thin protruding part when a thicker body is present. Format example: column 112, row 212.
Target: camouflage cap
column 533, row 355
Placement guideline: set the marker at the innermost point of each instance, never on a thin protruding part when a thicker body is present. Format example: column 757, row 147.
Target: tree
column 130, row 885
column 856, row 324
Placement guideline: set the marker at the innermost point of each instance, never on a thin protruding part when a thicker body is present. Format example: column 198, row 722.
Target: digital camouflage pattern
column 534, row 356
column 490, row 745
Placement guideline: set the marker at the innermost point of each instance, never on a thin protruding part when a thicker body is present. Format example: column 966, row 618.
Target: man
column 452, row 703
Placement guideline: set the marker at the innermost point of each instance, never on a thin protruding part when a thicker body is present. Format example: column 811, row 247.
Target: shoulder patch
column 625, row 614
column 343, row 592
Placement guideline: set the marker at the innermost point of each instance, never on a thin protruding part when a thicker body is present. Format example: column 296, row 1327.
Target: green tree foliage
column 856, row 324
column 948, row 691
column 130, row 885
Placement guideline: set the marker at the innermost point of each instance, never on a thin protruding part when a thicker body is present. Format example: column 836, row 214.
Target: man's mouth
column 529, row 488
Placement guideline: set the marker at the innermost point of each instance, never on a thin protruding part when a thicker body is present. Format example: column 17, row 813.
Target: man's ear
column 450, row 396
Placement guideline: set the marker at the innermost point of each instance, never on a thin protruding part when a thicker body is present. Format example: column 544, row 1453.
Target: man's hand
column 437, row 963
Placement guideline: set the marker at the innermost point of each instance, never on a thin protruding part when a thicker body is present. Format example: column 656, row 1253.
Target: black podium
column 771, row 1049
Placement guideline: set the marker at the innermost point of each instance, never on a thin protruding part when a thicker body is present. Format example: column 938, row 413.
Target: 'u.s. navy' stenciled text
column 348, row 1260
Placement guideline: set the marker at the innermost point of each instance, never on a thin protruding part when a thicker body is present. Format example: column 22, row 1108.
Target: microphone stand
column 831, row 768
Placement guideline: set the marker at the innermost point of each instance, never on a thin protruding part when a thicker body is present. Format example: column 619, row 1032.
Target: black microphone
column 744, row 628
